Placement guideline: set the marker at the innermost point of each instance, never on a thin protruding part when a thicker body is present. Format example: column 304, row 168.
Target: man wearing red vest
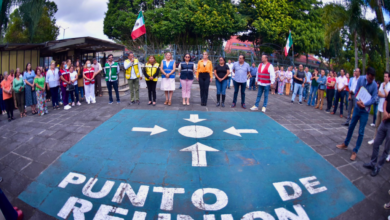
column 264, row 78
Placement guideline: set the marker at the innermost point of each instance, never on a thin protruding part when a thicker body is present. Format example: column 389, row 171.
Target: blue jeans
column 236, row 88
column 306, row 90
column 297, row 88
column 221, row 86
column 252, row 83
column 375, row 112
column 358, row 115
column 262, row 89
column 109, row 87
column 313, row 95
column 80, row 90
column 339, row 95
column 229, row 79
column 54, row 96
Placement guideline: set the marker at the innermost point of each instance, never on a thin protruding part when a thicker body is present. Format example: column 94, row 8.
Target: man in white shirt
column 351, row 97
column 383, row 92
column 306, row 89
column 230, row 65
column 288, row 80
column 264, row 78
column 341, row 84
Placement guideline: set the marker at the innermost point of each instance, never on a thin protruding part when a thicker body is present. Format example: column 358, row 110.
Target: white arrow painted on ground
column 198, row 151
column 238, row 132
column 194, row 119
column 155, row 130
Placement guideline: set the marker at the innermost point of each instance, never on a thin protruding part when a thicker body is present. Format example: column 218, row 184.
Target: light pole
column 63, row 35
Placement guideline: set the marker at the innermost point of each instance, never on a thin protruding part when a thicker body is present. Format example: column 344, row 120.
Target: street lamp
column 63, row 35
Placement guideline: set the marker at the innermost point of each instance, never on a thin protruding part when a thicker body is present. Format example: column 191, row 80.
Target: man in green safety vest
column 112, row 70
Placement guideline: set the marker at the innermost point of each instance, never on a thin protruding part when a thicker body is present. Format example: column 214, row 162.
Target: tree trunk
column 384, row 34
column 356, row 49
column 364, row 63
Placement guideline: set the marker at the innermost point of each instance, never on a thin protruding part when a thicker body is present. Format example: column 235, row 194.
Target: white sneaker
column 388, row 158
column 78, row 103
column 67, row 107
column 72, row 103
column 88, row 103
column 372, row 125
column 93, row 102
column 263, row 109
column 371, row 142
column 61, row 103
column 254, row 108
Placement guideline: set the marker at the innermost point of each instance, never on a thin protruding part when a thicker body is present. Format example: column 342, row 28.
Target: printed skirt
column 42, row 107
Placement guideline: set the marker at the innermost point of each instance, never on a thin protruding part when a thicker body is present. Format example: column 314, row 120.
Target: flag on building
column 288, row 44
column 139, row 27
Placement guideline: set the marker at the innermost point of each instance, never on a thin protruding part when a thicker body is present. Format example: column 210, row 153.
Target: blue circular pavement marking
column 144, row 164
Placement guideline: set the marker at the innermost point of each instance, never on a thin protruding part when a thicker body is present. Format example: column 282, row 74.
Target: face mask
column 88, row 65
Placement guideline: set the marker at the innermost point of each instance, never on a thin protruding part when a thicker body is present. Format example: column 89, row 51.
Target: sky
column 82, row 18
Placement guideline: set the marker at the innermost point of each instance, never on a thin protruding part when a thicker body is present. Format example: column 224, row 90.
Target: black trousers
column 9, row 107
column 204, row 83
column 151, row 90
column 329, row 98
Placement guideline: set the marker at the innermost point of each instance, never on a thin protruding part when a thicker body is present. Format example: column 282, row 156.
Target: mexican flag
column 288, row 44
column 139, row 27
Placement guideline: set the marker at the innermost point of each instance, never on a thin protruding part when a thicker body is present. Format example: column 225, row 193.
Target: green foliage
column 190, row 22
column 23, row 30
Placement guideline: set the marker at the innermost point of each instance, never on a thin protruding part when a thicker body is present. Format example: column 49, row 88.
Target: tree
column 340, row 17
column 270, row 21
column 183, row 22
column 368, row 32
column 24, row 30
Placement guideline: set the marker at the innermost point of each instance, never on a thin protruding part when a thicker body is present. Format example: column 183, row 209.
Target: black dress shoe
column 375, row 171
column 218, row 104
column 345, row 124
column 368, row 166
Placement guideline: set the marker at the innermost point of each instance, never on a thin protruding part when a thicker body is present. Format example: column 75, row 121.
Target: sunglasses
column 187, row 57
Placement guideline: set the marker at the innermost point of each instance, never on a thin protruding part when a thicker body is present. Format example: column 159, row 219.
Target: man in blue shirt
column 242, row 72
column 361, row 110
column 252, row 83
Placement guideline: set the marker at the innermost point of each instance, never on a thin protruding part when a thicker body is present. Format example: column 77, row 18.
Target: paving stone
column 335, row 160
column 20, row 163
column 38, row 215
column 60, row 134
column 33, row 170
column 9, row 158
column 48, row 157
column 350, row 172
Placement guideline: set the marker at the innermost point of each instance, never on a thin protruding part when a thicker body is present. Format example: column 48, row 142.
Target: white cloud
column 81, row 18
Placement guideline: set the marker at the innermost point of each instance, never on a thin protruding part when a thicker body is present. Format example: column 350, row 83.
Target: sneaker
column 263, row 109
column 61, row 103
column 254, row 108
column 292, row 102
column 372, row 125
column 138, row 102
column 327, row 111
column 233, row 105
column 388, row 158
column 67, row 107
column 387, row 206
column 78, row 103
column 72, row 103
column 371, row 142
column 110, row 103
column 243, row 106
column 118, row 102
column 93, row 102
column 131, row 103
column 300, row 103
column 89, row 103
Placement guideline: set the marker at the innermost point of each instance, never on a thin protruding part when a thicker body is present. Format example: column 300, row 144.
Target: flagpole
column 292, row 55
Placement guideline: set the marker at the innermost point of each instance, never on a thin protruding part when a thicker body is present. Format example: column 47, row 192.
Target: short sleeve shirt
column 341, row 82
column 241, row 72
column 382, row 100
column 221, row 70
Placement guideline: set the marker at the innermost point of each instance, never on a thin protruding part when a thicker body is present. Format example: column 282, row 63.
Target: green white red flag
column 139, row 27
column 288, row 44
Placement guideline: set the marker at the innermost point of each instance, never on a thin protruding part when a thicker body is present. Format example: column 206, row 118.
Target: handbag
column 70, row 87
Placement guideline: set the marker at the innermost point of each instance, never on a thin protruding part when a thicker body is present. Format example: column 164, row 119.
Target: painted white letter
column 197, row 199
column 164, row 216
column 227, row 217
column 87, row 189
column 70, row 179
column 78, row 212
column 283, row 193
column 139, row 215
column 184, row 217
column 137, row 200
column 167, row 197
column 104, row 210
column 254, row 215
column 284, row 214
column 310, row 186
column 209, row 217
